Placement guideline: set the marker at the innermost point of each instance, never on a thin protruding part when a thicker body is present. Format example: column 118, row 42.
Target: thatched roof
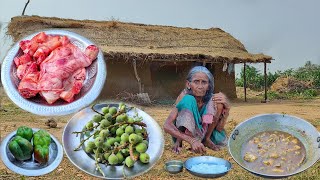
column 129, row 41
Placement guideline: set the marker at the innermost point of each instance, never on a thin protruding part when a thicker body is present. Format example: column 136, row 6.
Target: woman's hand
column 222, row 99
column 198, row 147
column 177, row 147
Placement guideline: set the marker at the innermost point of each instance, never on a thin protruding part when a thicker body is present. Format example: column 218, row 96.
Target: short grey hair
column 197, row 69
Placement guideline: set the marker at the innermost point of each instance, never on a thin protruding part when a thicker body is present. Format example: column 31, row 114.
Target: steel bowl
column 92, row 86
column 86, row 163
column 211, row 160
column 31, row 167
column 301, row 129
column 174, row 166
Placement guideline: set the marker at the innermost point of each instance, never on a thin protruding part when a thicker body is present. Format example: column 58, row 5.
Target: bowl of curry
column 275, row 145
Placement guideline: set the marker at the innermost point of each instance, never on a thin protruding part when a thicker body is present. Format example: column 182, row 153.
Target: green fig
column 133, row 138
column 88, row 149
column 97, row 118
column 144, row 158
column 105, row 110
column 118, row 139
column 91, row 144
column 113, row 159
column 98, row 141
column 141, row 148
column 106, row 146
column 129, row 162
column 104, row 123
column 111, row 141
column 119, row 131
column 89, row 125
column 120, row 157
column 112, row 110
column 125, row 137
column 108, row 117
column 129, row 130
column 130, row 120
column 104, row 133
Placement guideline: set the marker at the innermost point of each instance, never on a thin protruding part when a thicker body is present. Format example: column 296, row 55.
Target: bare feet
column 209, row 144
column 177, row 147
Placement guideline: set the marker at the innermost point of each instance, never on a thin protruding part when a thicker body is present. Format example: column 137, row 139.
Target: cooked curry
column 273, row 152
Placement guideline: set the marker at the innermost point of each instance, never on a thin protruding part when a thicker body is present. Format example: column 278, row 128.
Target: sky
column 287, row 30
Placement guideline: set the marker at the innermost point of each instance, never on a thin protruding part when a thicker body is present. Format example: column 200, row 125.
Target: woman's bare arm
column 171, row 129
column 215, row 121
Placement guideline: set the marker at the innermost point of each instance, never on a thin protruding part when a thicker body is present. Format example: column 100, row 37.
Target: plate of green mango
column 31, row 151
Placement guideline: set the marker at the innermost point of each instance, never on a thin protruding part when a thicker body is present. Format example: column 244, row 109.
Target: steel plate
column 30, row 167
column 207, row 160
column 93, row 84
column 299, row 128
column 85, row 163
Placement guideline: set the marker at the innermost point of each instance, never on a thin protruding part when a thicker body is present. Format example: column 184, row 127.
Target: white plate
column 30, row 167
column 93, row 84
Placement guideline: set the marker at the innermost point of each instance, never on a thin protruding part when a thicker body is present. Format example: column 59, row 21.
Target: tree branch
column 25, row 7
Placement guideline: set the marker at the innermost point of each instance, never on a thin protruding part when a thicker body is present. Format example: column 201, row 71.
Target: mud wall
column 160, row 80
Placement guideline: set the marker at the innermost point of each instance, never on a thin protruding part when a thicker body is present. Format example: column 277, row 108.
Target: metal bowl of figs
column 53, row 72
column 30, row 166
column 113, row 141
column 275, row 145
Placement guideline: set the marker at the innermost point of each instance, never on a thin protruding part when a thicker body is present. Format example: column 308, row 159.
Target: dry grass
column 240, row 111
column 124, row 41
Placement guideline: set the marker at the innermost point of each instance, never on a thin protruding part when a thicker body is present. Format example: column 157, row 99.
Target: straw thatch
column 127, row 41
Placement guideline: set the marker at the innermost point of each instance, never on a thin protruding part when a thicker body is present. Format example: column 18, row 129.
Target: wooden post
column 265, row 82
column 244, row 82
column 136, row 74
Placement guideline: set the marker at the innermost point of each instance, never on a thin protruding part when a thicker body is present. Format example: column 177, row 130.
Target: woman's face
column 199, row 84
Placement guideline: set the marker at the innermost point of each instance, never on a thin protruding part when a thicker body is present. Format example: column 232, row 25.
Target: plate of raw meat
column 53, row 72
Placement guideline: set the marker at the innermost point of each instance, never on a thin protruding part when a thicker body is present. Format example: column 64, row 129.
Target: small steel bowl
column 174, row 166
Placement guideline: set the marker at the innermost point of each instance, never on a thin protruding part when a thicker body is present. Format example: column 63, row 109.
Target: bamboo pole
column 244, row 82
column 265, row 82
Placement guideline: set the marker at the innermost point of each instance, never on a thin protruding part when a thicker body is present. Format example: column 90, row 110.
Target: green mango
column 41, row 138
column 41, row 153
column 25, row 132
column 21, row 148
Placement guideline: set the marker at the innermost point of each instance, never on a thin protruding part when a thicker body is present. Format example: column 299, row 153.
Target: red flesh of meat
column 62, row 67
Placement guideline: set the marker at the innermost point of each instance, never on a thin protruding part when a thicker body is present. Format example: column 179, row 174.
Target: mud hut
column 151, row 58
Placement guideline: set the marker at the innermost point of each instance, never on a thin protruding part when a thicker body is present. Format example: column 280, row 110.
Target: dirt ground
column 12, row 117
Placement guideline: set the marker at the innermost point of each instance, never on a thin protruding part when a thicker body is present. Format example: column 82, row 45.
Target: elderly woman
column 199, row 116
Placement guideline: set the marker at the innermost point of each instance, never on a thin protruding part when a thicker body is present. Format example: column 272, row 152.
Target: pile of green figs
column 112, row 137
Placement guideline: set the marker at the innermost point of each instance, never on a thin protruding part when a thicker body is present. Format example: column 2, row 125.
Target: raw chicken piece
column 60, row 65
column 73, row 85
column 28, row 85
column 26, row 58
column 24, row 69
column 31, row 46
column 50, row 87
column 40, row 46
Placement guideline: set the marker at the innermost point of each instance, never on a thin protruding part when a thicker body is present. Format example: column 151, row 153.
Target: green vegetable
column 41, row 153
column 25, row 132
column 41, row 138
column 21, row 148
